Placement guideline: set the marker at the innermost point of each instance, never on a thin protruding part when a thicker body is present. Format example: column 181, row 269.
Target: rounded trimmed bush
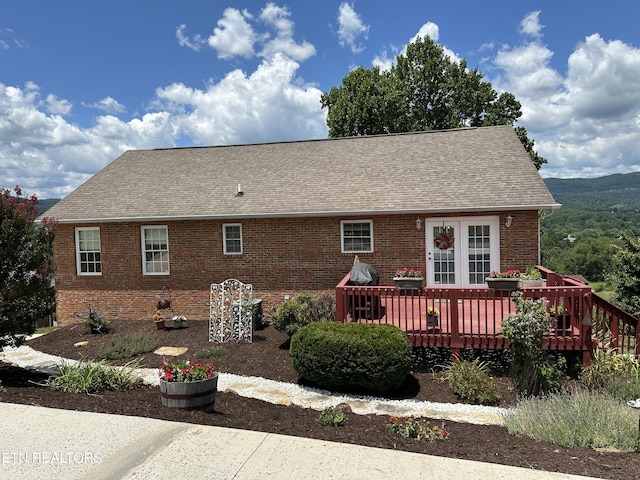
column 347, row 356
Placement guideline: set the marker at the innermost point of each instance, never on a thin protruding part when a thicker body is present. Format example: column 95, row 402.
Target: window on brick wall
column 357, row 237
column 88, row 261
column 232, row 238
column 155, row 250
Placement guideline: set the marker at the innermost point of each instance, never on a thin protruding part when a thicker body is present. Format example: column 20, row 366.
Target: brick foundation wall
column 280, row 257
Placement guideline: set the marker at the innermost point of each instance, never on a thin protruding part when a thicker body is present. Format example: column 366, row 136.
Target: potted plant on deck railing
column 432, row 316
column 532, row 278
column 408, row 279
column 188, row 385
column 508, row 280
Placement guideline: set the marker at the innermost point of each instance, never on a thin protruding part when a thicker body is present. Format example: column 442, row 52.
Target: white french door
column 461, row 251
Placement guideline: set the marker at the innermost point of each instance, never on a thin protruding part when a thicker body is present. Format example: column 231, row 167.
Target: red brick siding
column 280, row 257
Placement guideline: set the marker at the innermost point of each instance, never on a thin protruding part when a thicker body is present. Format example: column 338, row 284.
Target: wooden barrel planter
column 199, row 395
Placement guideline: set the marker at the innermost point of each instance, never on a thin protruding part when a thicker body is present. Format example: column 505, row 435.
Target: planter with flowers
column 158, row 319
column 504, row 281
column 188, row 385
column 179, row 321
column 408, row 279
column 432, row 316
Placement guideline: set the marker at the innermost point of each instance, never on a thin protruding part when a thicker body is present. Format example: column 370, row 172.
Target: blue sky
column 81, row 82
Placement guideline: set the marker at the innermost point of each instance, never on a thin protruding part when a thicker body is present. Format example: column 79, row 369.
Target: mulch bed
column 268, row 357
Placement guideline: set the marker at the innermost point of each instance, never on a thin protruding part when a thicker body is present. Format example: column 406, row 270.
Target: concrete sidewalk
column 44, row 443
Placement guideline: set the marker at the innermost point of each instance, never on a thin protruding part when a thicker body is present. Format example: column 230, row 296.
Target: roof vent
column 240, row 192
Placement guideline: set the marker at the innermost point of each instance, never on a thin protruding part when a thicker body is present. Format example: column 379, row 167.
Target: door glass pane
column 479, row 253
column 444, row 264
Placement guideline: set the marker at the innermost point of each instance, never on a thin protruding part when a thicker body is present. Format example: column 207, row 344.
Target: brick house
column 289, row 217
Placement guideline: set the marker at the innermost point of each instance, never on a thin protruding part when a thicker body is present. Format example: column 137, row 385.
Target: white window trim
column 342, row 222
column 78, row 262
column 143, row 251
column 224, row 238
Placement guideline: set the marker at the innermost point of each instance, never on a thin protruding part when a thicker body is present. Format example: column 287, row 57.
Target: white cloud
column 350, row 27
column 268, row 104
column 233, row 36
column 237, row 34
column 108, row 105
column 278, row 18
column 530, row 25
column 57, row 106
column 194, row 43
column 586, row 123
column 48, row 156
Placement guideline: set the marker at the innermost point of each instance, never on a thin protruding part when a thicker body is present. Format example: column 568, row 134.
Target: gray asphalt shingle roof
column 461, row 170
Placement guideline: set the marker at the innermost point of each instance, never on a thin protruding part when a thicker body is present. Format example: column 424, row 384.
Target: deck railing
column 472, row 317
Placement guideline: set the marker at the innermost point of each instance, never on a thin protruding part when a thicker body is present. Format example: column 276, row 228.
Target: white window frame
column 163, row 252
column 79, row 252
column 342, row 235
column 224, row 238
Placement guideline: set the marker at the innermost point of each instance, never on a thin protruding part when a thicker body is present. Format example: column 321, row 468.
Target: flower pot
column 408, row 283
column 533, row 283
column 159, row 324
column 503, row 284
column 432, row 320
column 199, row 395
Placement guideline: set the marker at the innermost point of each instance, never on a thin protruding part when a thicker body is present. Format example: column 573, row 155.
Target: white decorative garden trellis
column 230, row 312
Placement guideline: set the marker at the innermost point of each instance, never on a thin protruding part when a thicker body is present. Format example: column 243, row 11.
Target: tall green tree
column 26, row 268
column 625, row 275
column 424, row 90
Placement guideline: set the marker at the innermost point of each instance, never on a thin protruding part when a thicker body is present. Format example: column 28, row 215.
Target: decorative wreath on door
column 444, row 241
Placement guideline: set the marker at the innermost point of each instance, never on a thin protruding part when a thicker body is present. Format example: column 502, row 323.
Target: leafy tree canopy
column 626, row 274
column 26, row 291
column 424, row 90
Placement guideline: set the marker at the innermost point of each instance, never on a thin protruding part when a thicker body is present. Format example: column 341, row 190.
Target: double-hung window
column 155, row 250
column 357, row 236
column 232, row 238
column 88, row 261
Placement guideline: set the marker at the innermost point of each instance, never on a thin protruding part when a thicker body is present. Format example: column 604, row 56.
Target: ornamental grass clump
column 533, row 370
column 581, row 418
column 471, row 381
column 92, row 377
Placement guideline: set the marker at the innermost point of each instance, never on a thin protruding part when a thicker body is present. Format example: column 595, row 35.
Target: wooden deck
column 472, row 317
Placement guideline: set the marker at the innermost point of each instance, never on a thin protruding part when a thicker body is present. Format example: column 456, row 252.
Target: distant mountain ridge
column 617, row 192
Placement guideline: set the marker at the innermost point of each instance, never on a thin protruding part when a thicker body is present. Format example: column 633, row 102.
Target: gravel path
column 290, row 394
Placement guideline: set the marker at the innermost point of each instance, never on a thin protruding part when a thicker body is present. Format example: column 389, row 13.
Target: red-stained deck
column 472, row 317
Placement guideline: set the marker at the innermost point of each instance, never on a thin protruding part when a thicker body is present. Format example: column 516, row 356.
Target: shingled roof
column 463, row 170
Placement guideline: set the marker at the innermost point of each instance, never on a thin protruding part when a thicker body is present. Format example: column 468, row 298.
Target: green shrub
column 210, row 352
column 302, row 310
column 472, row 382
column 91, row 377
column 127, row 346
column 624, row 389
column 607, row 366
column 578, row 419
column 347, row 356
column 94, row 321
column 533, row 371
column 331, row 416
column 419, row 428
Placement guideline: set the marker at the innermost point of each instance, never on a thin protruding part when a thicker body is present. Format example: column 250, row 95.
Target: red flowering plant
column 185, row 371
column 408, row 273
column 506, row 274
